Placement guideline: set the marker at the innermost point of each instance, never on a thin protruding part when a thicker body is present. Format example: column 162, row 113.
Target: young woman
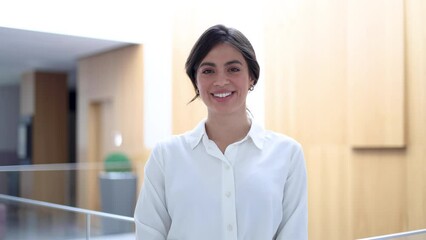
column 228, row 178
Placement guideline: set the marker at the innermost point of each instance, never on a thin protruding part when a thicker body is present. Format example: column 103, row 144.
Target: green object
column 117, row 162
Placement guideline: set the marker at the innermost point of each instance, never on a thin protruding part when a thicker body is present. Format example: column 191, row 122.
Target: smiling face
column 223, row 80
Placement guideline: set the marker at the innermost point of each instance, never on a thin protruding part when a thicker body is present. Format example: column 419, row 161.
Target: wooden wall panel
column 50, row 135
column 305, row 99
column 379, row 192
column 44, row 96
column 110, row 97
column 416, row 112
column 376, row 73
column 50, row 129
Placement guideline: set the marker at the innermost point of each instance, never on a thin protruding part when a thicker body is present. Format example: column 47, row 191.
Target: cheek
column 198, row 83
column 199, row 86
column 202, row 84
column 245, row 83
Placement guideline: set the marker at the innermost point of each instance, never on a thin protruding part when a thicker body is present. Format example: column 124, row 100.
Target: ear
column 251, row 82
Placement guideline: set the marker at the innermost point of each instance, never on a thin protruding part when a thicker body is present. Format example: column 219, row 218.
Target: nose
column 221, row 80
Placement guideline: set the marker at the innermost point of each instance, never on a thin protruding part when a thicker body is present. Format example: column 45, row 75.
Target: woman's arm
column 152, row 219
column 294, row 224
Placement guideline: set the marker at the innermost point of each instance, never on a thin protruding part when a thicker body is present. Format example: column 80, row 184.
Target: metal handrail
column 88, row 213
column 66, row 208
column 52, row 167
column 396, row 235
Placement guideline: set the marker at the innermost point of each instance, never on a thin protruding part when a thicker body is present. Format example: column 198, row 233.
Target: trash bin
column 118, row 186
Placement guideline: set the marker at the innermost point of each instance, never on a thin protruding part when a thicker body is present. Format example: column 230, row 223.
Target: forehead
column 223, row 52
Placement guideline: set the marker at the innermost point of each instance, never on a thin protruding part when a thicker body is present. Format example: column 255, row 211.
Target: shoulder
column 171, row 142
column 282, row 145
column 273, row 138
column 175, row 144
column 184, row 140
column 287, row 149
column 168, row 149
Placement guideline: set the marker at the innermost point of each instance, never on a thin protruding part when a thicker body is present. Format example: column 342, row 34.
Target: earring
column 251, row 87
column 197, row 92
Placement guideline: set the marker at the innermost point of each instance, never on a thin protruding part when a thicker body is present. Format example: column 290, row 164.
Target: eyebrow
column 226, row 64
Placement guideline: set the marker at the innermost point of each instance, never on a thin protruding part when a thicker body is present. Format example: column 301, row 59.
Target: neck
column 227, row 129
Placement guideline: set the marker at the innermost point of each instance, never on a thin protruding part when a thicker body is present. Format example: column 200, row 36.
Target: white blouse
column 257, row 190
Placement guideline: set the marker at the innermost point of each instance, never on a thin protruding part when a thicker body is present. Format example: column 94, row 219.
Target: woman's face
column 223, row 80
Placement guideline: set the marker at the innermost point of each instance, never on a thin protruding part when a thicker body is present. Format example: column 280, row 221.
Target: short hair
column 212, row 37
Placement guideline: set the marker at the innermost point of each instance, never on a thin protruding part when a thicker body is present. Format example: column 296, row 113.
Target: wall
column 44, row 97
column 9, row 109
column 305, row 75
column 110, row 101
column 353, row 192
column 415, row 85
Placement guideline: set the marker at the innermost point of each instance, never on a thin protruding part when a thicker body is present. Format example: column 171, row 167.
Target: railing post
column 88, row 226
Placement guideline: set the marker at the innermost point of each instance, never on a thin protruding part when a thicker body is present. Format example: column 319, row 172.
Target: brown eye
column 207, row 71
column 234, row 69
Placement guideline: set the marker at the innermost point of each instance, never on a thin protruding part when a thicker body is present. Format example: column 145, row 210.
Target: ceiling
column 22, row 51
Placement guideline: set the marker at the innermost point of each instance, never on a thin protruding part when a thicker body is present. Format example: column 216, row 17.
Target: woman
column 228, row 178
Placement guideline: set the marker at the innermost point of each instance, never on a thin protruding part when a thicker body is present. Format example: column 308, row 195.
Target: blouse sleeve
column 294, row 224
column 151, row 216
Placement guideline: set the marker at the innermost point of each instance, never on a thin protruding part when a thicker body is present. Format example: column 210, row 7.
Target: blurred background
column 81, row 81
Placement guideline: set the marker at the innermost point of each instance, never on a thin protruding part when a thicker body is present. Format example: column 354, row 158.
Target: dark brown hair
column 212, row 37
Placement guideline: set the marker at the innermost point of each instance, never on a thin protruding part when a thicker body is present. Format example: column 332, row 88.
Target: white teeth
column 222, row 95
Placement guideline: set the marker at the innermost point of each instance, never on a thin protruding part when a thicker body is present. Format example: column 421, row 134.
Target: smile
column 222, row 95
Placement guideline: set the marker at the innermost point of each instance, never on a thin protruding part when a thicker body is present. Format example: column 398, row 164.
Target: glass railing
column 66, row 201
column 22, row 218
